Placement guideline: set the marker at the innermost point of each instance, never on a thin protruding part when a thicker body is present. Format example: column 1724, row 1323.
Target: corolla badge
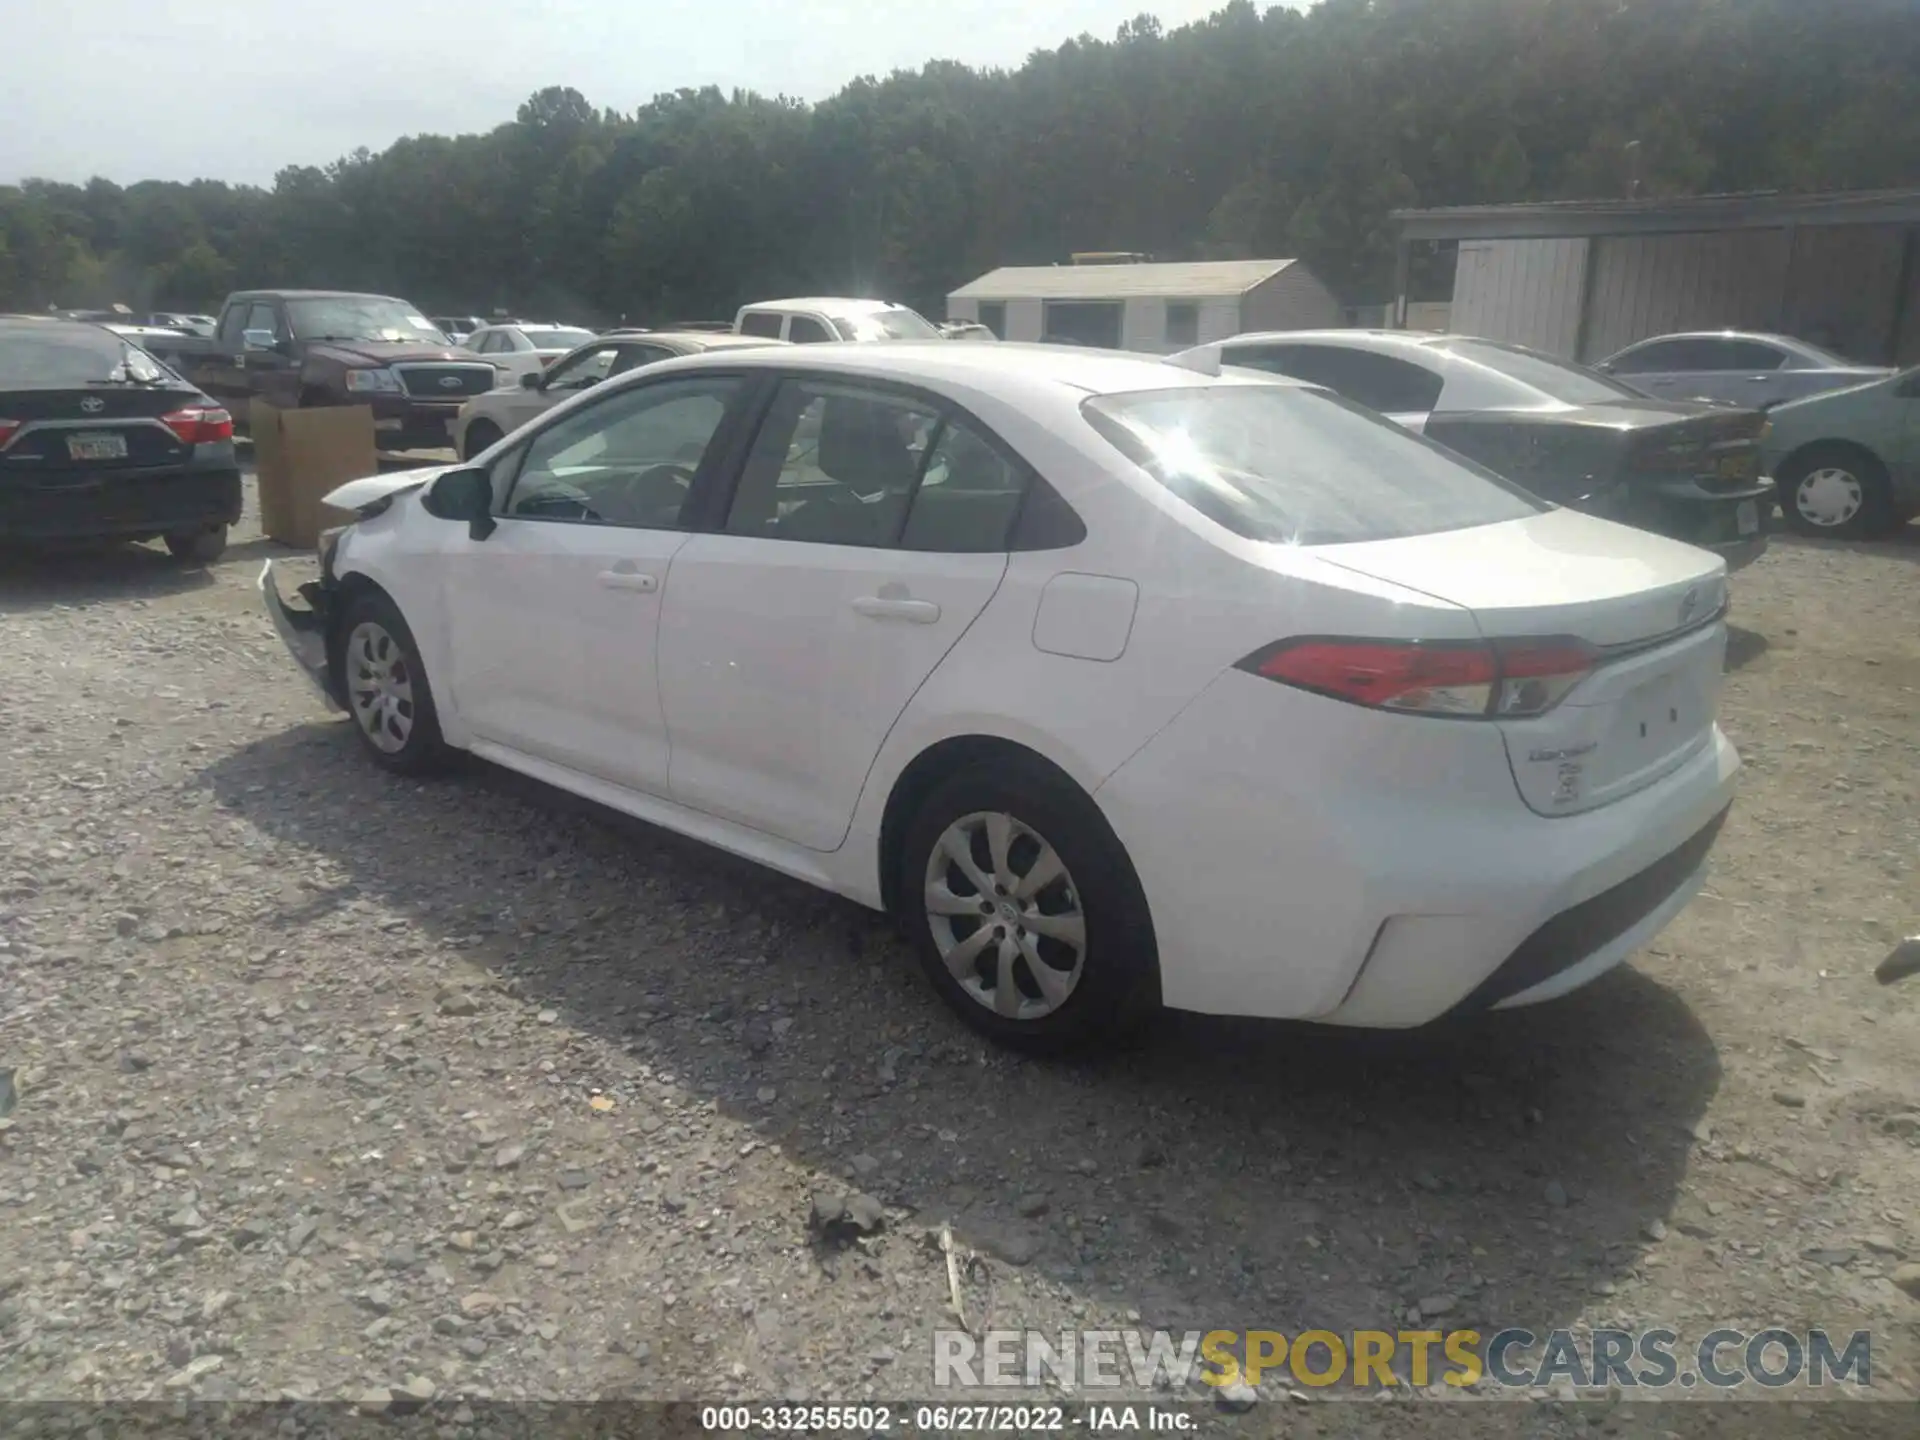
column 93, row 404
column 1689, row 604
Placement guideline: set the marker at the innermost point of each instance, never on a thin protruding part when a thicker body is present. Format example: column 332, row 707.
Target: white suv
column 819, row 319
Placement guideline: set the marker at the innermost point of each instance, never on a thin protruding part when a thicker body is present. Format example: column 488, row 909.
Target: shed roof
column 1746, row 210
column 1200, row 279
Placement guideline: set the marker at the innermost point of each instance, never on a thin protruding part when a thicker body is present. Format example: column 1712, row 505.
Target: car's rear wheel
column 199, row 547
column 386, row 688
column 481, row 435
column 1025, row 910
column 1837, row 492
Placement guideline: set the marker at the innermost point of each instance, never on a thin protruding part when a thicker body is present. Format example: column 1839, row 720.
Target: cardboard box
column 299, row 455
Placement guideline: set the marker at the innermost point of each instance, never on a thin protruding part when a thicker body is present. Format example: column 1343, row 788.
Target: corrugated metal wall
column 1656, row 284
column 1523, row 291
column 1295, row 299
column 1840, row 288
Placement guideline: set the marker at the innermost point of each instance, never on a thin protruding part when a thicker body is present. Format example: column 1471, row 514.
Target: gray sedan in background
column 1734, row 367
column 485, row 418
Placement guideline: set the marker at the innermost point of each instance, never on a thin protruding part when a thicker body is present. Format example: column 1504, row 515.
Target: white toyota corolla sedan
column 1119, row 683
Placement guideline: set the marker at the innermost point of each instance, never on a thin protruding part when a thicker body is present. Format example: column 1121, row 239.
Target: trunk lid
column 93, row 427
column 1650, row 606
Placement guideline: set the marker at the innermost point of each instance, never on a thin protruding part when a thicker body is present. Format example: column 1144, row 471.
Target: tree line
column 1275, row 133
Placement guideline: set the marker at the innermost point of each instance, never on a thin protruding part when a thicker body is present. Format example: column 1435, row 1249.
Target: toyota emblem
column 449, row 382
column 93, row 404
column 1689, row 603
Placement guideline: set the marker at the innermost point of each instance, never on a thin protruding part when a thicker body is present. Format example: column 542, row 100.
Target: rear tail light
column 199, row 424
column 7, row 427
column 1471, row 680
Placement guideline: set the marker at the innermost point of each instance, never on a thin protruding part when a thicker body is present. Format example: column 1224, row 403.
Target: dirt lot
column 327, row 1083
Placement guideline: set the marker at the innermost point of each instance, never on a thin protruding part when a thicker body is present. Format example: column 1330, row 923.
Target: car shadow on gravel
column 1510, row 1169
column 40, row 580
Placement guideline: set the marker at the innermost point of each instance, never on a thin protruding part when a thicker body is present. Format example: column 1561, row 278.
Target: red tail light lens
column 7, row 427
column 199, row 424
column 1466, row 680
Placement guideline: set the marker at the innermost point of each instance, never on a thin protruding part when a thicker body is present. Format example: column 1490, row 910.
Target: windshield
column 361, row 317
column 897, row 323
column 1557, row 379
column 556, row 338
column 33, row 357
column 1300, row 467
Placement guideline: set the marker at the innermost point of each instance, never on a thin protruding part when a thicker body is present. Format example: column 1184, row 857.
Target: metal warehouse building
column 1158, row 308
column 1583, row 278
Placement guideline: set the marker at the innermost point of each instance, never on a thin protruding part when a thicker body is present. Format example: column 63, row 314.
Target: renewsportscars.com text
column 1513, row 1358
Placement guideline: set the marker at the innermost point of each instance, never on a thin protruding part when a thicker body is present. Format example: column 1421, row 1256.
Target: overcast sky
column 174, row 89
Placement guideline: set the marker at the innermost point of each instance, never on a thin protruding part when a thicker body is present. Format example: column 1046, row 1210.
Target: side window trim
column 720, row 453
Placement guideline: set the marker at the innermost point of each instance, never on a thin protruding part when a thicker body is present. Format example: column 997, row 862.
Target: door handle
column 878, row 607
column 629, row 580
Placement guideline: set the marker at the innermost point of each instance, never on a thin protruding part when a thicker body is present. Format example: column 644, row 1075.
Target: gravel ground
column 329, row 1083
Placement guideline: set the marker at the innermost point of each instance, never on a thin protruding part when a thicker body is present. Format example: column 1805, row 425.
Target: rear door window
column 1270, row 462
column 804, row 330
column 1380, row 382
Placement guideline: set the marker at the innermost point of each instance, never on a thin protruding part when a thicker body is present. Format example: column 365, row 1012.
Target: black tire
column 1118, row 984
column 1860, row 468
column 412, row 744
column 481, row 435
column 198, row 547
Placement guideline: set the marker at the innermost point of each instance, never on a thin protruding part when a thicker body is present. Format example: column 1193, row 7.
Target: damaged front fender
column 304, row 631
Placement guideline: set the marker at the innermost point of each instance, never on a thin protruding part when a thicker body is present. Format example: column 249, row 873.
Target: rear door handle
column 876, row 607
column 629, row 580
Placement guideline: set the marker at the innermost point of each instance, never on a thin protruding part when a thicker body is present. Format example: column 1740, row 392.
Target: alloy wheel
column 1005, row 915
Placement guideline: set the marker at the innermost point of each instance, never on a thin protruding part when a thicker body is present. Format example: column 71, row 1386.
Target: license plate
column 1747, row 517
column 97, row 447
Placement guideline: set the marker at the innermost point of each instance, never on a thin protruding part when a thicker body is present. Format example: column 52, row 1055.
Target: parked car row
column 1568, row 434
column 1121, row 684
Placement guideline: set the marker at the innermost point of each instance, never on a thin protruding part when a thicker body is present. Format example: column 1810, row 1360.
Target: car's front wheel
column 1026, row 911
column 1837, row 492
column 386, row 688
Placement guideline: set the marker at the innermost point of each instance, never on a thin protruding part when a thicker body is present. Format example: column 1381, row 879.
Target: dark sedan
column 1577, row 438
column 100, row 441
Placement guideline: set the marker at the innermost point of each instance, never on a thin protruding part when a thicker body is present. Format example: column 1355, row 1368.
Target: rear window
column 558, row 338
column 1300, row 467
column 1556, row 379
column 46, row 357
column 897, row 323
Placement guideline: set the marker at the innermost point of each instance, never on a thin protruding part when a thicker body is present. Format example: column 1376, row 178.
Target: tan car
column 486, row 418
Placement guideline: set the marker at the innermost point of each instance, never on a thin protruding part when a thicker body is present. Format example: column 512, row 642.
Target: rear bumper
column 1311, row 860
column 104, row 505
column 1710, row 518
column 303, row 632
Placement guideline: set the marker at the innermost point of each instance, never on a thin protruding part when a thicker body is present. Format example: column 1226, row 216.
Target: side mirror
column 463, row 495
column 1605, row 367
column 531, row 380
